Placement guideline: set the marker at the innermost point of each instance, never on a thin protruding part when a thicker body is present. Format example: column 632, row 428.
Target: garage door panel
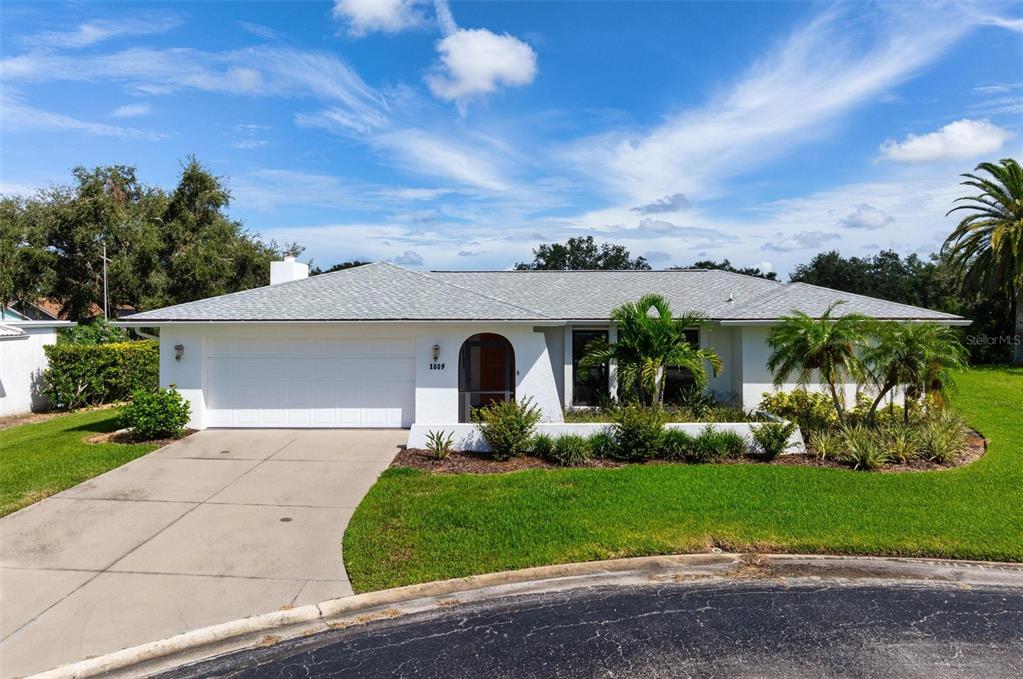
column 311, row 383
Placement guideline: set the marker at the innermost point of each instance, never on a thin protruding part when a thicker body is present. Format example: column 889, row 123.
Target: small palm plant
column 988, row 244
column 827, row 347
column 439, row 443
column 922, row 357
column 652, row 339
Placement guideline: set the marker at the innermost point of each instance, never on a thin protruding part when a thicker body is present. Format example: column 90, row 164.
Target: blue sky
column 458, row 136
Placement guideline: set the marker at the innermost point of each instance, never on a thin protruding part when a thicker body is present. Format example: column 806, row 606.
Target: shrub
column 637, row 432
column 827, row 444
column 155, row 414
column 943, row 436
column 507, row 426
column 542, row 446
column 677, row 445
column 97, row 331
column 810, row 410
column 90, row 374
column 695, row 401
column 570, row 449
column 862, row 449
column 439, row 443
column 602, row 445
column 772, row 438
column 901, row 442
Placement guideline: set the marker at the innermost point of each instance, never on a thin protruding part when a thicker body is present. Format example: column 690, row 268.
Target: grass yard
column 38, row 460
column 416, row 527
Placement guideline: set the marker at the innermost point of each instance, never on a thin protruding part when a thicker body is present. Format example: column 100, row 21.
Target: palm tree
column 920, row 356
column 988, row 244
column 650, row 340
column 828, row 347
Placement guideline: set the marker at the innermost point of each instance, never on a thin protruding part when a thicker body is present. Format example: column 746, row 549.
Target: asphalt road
column 751, row 629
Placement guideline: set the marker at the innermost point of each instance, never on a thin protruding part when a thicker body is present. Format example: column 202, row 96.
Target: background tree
column 582, row 253
column 987, row 245
column 725, row 265
column 341, row 266
column 827, row 348
column 650, row 340
column 24, row 260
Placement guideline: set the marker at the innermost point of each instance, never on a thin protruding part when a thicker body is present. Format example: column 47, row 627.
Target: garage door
column 310, row 383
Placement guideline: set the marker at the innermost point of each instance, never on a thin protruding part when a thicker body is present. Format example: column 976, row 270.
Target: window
column 589, row 385
column 677, row 381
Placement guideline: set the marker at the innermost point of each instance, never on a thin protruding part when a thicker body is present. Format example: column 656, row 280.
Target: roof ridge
column 426, row 274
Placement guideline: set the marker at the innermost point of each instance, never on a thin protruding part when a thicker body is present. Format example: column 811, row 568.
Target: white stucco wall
column 436, row 391
column 22, row 362
column 467, row 436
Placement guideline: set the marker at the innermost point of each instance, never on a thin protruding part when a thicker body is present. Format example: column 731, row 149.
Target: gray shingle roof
column 10, row 332
column 384, row 291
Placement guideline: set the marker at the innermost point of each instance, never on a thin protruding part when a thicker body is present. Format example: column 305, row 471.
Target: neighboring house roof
column 10, row 332
column 384, row 291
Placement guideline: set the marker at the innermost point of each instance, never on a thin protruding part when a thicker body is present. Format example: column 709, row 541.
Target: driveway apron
column 221, row 525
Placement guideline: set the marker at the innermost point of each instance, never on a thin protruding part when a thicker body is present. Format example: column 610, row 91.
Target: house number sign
column 436, row 366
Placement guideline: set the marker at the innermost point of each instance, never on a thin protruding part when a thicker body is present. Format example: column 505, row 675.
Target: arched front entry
column 486, row 373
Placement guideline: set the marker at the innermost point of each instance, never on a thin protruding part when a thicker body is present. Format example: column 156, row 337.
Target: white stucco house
column 384, row 346
column 23, row 360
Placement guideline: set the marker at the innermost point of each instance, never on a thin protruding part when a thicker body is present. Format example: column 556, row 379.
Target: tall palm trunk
column 837, row 401
column 1017, row 351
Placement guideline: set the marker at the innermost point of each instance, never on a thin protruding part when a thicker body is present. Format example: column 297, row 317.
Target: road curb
column 270, row 628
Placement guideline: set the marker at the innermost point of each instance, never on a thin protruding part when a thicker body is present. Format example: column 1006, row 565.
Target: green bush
column 827, row 444
column 862, row 449
column 97, row 331
column 772, row 438
column 542, row 445
column 943, row 436
column 570, row 449
column 677, row 445
column 637, row 432
column 507, row 426
column 901, row 442
column 714, row 445
column 155, row 414
column 602, row 445
column 809, row 409
column 90, row 374
column 439, row 443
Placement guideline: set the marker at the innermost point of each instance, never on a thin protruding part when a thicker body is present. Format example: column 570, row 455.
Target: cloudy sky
column 459, row 135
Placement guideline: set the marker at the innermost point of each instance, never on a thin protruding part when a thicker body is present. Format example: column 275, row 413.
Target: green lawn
column 415, row 527
column 38, row 460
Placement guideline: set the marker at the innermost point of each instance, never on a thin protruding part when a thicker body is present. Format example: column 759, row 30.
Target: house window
column 589, row 385
column 678, row 381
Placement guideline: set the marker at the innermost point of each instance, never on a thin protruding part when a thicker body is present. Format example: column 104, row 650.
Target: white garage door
column 310, row 383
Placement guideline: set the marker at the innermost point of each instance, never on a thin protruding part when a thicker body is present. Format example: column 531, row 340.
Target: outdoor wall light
column 436, row 352
column 179, row 351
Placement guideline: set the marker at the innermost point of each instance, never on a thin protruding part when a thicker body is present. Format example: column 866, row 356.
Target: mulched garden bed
column 481, row 463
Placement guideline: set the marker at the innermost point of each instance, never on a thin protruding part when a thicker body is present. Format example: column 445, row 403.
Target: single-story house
column 23, row 360
column 380, row 345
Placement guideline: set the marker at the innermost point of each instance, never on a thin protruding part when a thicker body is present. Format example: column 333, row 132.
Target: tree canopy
column 726, row 265
column 582, row 253
column 161, row 248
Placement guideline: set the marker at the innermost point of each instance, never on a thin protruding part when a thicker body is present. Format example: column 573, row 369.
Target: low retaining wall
column 467, row 436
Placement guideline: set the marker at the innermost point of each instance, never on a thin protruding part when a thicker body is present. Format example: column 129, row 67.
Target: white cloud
column 385, row 16
column 409, row 258
column 866, row 216
column 676, row 202
column 441, row 157
column 132, row 110
column 959, row 140
column 802, row 240
column 99, row 30
column 792, row 95
column 17, row 115
column 475, row 61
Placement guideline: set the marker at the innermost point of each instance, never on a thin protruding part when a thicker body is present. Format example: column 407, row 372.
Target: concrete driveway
column 221, row 525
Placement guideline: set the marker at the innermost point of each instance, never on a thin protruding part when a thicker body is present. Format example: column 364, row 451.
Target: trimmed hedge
column 90, row 374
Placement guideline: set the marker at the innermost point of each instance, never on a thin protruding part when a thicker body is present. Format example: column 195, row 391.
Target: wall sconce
column 436, row 352
column 179, row 351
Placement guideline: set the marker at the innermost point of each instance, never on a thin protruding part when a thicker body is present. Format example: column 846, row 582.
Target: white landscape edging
column 467, row 436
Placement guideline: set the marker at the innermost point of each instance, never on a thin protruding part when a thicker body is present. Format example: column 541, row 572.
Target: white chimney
column 288, row 270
